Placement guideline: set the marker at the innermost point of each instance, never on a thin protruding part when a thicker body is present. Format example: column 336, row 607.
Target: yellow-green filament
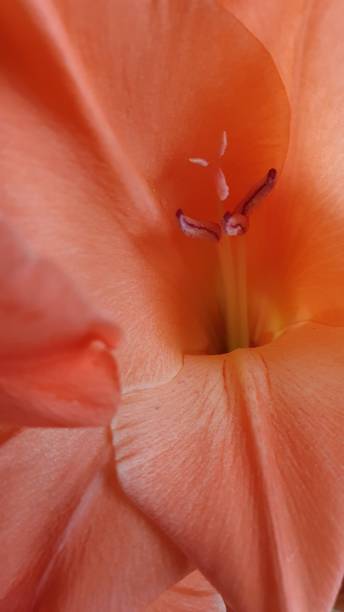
column 232, row 254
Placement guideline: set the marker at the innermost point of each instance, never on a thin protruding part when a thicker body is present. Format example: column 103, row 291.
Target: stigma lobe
column 221, row 185
column 197, row 228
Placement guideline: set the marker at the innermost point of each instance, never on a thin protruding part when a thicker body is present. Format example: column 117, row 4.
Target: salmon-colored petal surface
column 296, row 255
column 56, row 367
column 285, row 43
column 240, row 459
column 192, row 594
column 102, row 105
column 70, row 540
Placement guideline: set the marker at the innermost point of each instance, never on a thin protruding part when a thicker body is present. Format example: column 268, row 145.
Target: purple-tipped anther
column 271, row 176
column 260, row 192
column 234, row 224
column 195, row 228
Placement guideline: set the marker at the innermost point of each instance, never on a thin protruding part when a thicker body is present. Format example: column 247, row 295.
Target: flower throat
column 232, row 252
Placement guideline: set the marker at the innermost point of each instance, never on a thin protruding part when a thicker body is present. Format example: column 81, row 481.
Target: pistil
column 231, row 248
column 234, row 292
column 232, row 254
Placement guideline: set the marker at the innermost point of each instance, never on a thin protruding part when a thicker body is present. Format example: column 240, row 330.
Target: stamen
column 199, row 161
column 197, row 228
column 224, row 144
column 252, row 199
column 235, row 224
column 221, row 185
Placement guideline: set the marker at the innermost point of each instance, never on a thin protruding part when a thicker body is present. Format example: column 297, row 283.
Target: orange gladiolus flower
column 115, row 116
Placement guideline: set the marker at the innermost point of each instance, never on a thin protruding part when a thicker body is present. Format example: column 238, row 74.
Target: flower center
column 231, row 244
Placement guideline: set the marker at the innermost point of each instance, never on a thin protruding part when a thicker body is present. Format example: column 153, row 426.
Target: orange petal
column 96, row 139
column 240, row 460
column 70, row 540
column 265, row 19
column 55, row 362
column 296, row 254
column 192, row 594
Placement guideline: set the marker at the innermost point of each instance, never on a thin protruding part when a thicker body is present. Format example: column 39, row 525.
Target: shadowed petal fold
column 56, row 366
column 240, row 460
column 70, row 539
column 192, row 594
